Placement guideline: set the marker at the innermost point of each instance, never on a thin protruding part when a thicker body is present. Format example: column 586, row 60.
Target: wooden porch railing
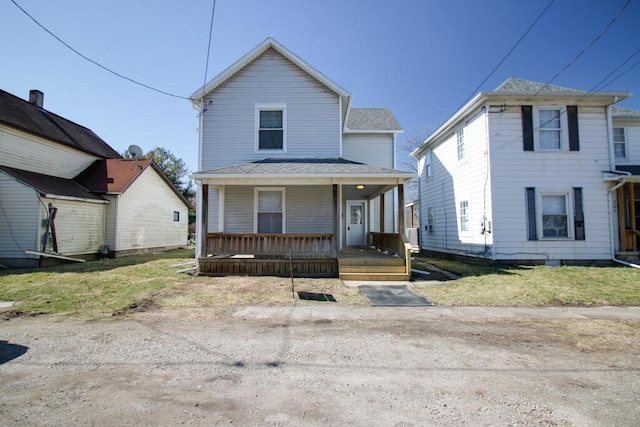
column 302, row 245
column 393, row 243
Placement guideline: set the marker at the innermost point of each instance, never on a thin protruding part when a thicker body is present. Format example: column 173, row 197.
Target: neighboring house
column 48, row 204
column 533, row 173
column 288, row 167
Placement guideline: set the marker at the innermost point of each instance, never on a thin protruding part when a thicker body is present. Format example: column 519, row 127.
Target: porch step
column 375, row 276
column 372, row 268
column 389, row 261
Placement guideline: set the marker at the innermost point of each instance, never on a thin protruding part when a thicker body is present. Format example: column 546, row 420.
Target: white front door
column 356, row 220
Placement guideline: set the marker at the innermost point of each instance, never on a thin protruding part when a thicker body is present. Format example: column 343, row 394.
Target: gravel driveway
column 315, row 364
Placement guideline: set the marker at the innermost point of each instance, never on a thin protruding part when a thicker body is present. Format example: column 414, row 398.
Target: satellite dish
column 135, row 151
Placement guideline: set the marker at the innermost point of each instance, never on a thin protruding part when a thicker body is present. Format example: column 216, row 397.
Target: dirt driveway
column 315, row 364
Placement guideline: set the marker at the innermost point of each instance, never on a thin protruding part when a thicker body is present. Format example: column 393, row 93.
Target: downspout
column 394, row 201
column 612, row 190
column 199, row 231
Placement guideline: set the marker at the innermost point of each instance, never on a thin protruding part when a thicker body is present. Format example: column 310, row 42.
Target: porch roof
column 321, row 168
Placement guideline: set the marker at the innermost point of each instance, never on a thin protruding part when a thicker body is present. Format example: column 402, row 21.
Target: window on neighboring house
column 428, row 163
column 460, row 143
column 176, row 216
column 269, row 210
column 429, row 226
column 554, row 215
column 464, row 215
column 620, row 143
column 271, row 124
column 549, row 129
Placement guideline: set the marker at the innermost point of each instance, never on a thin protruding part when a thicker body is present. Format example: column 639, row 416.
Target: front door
column 356, row 220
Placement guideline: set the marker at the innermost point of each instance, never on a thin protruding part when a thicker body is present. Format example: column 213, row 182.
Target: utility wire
column 600, row 83
column 95, row 62
column 533, row 24
column 206, row 67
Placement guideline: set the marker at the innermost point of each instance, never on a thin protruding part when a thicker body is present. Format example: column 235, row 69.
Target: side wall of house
column 79, row 226
column 229, row 122
column 146, row 215
column 24, row 151
column 453, row 182
column 19, row 223
column 307, row 209
column 551, row 172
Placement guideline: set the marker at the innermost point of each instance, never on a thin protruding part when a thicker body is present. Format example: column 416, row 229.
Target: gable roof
column 372, row 119
column 115, row 176
column 23, row 115
column 520, row 92
column 53, row 186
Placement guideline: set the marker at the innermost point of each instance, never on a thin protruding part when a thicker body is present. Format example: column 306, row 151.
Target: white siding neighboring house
column 287, row 166
column 524, row 174
column 47, row 176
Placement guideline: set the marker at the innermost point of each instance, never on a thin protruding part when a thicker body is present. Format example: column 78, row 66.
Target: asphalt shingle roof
column 298, row 167
column 23, row 115
column 372, row 119
column 47, row 184
column 513, row 84
column 624, row 112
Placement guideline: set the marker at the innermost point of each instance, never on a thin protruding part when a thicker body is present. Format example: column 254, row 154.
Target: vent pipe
column 36, row 97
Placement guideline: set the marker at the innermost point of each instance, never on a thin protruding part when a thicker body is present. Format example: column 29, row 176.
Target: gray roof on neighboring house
column 624, row 112
column 23, row 115
column 634, row 170
column 513, row 84
column 298, row 167
column 372, row 119
column 46, row 184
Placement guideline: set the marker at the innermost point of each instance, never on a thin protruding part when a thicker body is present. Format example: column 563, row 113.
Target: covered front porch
column 302, row 220
column 628, row 202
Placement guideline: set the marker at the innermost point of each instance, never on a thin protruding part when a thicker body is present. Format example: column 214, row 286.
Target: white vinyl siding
column 213, row 211
column 145, row 215
column 79, row 226
column 370, row 149
column 548, row 172
column 451, row 183
column 313, row 120
column 111, row 221
column 19, row 220
column 21, row 150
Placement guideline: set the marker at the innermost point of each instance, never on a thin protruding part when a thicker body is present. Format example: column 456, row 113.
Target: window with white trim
column 429, row 226
column 549, row 129
column 460, row 144
column 269, row 210
column 620, row 143
column 464, row 215
column 271, row 127
column 555, row 219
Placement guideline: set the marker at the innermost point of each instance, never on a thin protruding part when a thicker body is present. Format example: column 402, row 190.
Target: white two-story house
column 289, row 173
column 533, row 173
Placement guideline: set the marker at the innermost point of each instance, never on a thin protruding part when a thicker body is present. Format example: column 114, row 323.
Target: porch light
column 360, row 186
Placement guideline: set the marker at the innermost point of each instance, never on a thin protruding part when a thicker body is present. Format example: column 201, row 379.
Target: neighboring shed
column 146, row 211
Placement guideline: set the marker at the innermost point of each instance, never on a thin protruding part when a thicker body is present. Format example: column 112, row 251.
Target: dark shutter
column 578, row 220
column 532, row 232
column 527, row 127
column 572, row 119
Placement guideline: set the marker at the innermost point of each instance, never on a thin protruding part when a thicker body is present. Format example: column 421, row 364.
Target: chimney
column 36, row 98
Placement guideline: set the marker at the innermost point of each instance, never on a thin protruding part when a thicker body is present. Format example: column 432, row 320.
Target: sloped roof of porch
column 52, row 185
column 303, row 168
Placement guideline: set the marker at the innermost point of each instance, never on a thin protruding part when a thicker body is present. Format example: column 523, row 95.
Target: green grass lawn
column 99, row 288
column 531, row 286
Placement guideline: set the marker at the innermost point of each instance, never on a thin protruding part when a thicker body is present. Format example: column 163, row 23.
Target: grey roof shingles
column 372, row 119
column 624, row 112
column 516, row 85
column 23, row 115
column 308, row 166
column 46, row 184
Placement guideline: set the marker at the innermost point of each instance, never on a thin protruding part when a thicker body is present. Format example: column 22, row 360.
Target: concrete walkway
column 328, row 311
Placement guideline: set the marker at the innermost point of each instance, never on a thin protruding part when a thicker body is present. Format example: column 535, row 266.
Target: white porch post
column 204, row 218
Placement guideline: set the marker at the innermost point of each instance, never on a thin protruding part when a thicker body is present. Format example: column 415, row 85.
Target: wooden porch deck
column 364, row 263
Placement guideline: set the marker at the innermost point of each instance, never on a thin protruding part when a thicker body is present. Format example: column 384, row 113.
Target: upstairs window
column 428, row 163
column 550, row 130
column 460, row 142
column 620, row 143
column 271, row 128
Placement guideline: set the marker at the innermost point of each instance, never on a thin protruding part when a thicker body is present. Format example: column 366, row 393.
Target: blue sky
column 422, row 59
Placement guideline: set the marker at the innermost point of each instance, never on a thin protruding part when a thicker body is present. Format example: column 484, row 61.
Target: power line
column 206, row 67
column 533, row 24
column 600, row 83
column 95, row 62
